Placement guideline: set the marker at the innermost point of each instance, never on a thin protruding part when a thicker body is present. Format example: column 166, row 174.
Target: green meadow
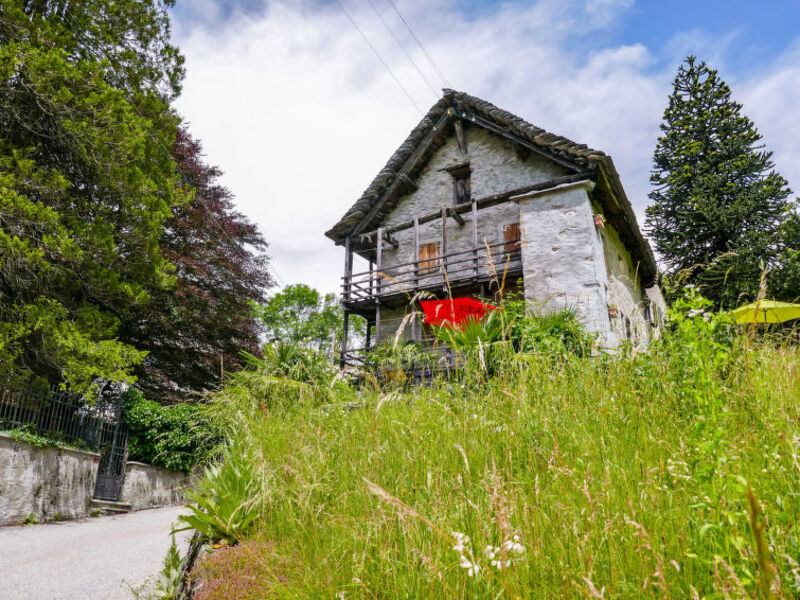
column 529, row 473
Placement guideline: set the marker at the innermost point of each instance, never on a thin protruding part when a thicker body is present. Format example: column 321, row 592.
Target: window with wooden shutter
column 428, row 258
column 512, row 238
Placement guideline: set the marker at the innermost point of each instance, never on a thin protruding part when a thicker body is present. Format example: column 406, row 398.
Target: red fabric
column 454, row 312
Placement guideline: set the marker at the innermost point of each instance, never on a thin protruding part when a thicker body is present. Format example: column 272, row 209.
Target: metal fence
column 58, row 415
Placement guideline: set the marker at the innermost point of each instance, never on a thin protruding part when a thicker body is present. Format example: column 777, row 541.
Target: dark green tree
column 86, row 180
column 785, row 281
column 718, row 204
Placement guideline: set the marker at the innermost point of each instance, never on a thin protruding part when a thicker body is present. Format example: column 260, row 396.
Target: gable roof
column 396, row 178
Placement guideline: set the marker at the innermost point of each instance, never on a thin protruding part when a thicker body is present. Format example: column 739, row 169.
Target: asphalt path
column 90, row 559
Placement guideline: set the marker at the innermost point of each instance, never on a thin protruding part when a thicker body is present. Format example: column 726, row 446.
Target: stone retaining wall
column 147, row 486
column 54, row 483
column 49, row 483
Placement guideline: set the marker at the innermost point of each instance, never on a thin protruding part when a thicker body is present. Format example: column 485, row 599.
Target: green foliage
column 618, row 476
column 175, row 437
column 553, row 333
column 718, row 204
column 229, row 497
column 86, row 181
column 30, row 519
column 24, row 434
column 300, row 315
column 168, row 579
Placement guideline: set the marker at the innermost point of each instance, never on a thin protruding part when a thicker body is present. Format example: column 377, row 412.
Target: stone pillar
column 562, row 255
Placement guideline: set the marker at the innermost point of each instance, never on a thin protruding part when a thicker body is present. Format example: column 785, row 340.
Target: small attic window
column 462, row 187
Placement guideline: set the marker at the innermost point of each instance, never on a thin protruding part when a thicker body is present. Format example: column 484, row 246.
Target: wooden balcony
column 480, row 264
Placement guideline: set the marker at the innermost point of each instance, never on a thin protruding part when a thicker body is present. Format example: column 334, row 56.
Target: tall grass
column 667, row 474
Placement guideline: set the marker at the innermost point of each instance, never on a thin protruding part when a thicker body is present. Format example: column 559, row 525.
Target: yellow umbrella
column 766, row 311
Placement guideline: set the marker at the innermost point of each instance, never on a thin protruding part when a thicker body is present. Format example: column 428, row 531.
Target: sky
column 293, row 104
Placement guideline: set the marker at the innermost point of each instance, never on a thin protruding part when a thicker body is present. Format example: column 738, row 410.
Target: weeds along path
column 87, row 559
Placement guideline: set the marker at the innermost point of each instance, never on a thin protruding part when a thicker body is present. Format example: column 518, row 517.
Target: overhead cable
column 419, row 43
column 380, row 58
column 399, row 43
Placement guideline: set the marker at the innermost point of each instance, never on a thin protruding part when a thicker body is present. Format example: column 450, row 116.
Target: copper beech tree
column 198, row 327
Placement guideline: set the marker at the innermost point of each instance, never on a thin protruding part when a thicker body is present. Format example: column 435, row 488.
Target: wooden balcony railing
column 479, row 263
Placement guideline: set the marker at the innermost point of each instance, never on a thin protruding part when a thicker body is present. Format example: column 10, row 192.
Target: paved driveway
column 87, row 559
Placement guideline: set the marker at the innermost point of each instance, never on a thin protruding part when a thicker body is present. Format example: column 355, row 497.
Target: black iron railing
column 58, row 415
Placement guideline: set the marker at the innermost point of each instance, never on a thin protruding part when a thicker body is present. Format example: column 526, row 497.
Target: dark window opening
column 462, row 186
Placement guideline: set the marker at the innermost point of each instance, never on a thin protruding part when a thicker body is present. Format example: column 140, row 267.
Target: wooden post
column 345, row 331
column 443, row 251
column 377, row 321
column 370, row 278
column 348, row 269
column 379, row 260
column 475, row 237
column 369, row 337
column 416, row 255
column 378, row 267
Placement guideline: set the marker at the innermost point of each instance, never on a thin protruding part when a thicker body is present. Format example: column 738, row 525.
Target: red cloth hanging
column 455, row 311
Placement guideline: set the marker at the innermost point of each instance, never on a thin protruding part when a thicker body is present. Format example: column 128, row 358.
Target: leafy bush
column 175, row 437
column 229, row 497
column 553, row 333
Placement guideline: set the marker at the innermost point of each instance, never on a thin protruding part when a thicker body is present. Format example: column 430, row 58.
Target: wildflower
column 513, row 546
column 461, row 541
column 473, row 568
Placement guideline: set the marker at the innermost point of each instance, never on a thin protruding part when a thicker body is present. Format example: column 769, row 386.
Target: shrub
column 229, row 497
column 175, row 437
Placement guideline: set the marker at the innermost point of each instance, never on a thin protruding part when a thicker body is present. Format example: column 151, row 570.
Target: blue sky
column 293, row 105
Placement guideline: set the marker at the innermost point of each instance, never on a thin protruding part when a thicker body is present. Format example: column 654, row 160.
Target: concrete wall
column 147, row 486
column 46, row 482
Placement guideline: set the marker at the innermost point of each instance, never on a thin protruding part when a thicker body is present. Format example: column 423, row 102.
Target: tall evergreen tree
column 86, row 180
column 718, row 204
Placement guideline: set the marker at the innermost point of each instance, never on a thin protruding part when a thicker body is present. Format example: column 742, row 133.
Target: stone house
column 478, row 202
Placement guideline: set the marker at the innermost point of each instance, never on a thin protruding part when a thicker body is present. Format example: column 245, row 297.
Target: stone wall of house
column 496, row 168
column 625, row 294
column 49, row 483
column 147, row 486
column 562, row 255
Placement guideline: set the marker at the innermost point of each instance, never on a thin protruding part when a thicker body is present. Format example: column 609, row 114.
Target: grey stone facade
column 567, row 260
column 579, row 243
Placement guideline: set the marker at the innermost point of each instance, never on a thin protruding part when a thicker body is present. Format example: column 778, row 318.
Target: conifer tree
column 718, row 204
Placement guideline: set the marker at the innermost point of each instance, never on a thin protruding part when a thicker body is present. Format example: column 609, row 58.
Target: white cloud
column 293, row 105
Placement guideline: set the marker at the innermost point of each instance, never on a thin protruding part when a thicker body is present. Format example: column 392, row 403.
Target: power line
column 380, row 58
column 428, row 56
column 399, row 43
